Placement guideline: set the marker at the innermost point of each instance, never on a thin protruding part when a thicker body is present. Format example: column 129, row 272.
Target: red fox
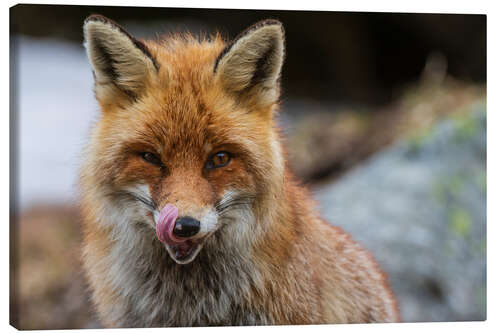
column 191, row 215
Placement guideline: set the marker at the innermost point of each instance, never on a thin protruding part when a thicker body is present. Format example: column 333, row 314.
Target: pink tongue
column 165, row 225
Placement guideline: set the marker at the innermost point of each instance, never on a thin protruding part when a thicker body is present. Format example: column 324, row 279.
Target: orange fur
column 274, row 261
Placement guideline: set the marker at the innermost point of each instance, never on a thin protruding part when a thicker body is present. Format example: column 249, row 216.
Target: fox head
column 186, row 143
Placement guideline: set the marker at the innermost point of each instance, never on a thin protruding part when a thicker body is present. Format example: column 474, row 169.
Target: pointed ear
column 121, row 63
column 252, row 61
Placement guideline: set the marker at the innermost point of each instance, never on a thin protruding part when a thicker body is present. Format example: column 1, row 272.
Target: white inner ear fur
column 256, row 59
column 114, row 57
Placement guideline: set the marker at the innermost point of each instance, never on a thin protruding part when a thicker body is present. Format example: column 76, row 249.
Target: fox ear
column 253, row 61
column 120, row 62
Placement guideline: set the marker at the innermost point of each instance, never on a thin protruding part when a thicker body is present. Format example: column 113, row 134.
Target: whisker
column 229, row 199
column 232, row 203
column 149, row 203
column 227, row 203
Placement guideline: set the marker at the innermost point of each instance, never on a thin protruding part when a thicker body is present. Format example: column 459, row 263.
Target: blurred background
column 384, row 117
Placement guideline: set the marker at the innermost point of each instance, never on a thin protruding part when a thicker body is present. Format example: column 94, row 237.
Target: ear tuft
column 253, row 61
column 118, row 59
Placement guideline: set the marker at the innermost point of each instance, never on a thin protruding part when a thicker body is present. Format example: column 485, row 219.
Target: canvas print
column 180, row 167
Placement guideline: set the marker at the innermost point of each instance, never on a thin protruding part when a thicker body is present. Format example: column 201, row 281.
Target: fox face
column 186, row 145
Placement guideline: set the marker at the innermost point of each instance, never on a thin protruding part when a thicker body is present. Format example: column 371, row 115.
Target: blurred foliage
column 322, row 145
column 460, row 221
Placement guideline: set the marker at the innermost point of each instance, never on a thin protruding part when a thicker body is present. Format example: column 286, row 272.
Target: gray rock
column 420, row 207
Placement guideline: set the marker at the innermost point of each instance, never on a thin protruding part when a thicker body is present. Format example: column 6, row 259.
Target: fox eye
column 151, row 158
column 218, row 160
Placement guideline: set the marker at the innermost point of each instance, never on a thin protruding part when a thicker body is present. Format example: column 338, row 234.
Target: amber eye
column 218, row 160
column 151, row 158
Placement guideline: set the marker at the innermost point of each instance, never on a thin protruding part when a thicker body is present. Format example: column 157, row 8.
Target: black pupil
column 151, row 158
column 220, row 158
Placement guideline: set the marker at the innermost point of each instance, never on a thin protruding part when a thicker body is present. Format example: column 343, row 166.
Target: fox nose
column 186, row 227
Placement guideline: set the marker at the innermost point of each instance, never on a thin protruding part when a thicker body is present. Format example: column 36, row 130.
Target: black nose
column 186, row 227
